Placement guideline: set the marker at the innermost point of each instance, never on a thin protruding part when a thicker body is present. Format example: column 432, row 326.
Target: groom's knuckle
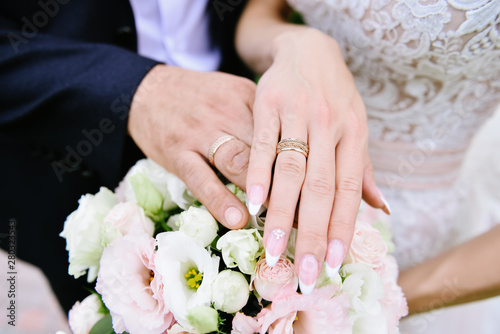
column 244, row 85
column 236, row 160
column 213, row 195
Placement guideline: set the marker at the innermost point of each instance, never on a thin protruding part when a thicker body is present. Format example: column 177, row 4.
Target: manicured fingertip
column 276, row 243
column 308, row 273
column 334, row 257
column 253, row 209
column 332, row 272
column 271, row 260
column 306, row 289
column 387, row 207
column 255, row 199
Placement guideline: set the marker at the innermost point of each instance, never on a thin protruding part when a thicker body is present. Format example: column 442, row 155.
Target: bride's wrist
column 300, row 38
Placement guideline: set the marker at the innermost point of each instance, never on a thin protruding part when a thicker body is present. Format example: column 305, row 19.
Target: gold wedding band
column 293, row 144
column 215, row 146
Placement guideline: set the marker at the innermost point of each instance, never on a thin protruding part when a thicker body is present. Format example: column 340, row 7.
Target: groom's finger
column 231, row 159
column 210, row 191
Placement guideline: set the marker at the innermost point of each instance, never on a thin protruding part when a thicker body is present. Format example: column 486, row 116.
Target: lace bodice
column 428, row 71
column 429, row 74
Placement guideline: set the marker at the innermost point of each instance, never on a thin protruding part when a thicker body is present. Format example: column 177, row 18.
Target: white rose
column 241, row 248
column 237, row 192
column 82, row 231
column 198, row 224
column 204, row 319
column 290, row 246
column 187, row 270
column 173, row 190
column 172, row 222
column 85, row 314
column 363, row 286
column 230, row 291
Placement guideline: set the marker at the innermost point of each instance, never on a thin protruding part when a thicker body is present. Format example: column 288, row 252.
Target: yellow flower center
column 151, row 276
column 193, row 278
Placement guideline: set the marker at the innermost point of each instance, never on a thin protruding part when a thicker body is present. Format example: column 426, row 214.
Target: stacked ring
column 293, row 144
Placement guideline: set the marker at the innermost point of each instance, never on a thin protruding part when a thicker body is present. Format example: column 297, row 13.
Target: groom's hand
column 176, row 115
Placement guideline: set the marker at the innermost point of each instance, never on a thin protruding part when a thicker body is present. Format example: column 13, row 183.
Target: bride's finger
column 262, row 155
column 371, row 193
column 287, row 183
column 348, row 187
column 316, row 202
column 288, row 178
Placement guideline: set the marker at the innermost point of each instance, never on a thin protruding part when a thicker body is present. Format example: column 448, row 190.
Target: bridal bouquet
column 163, row 264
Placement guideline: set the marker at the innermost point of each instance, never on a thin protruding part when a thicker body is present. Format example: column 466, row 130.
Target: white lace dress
column 429, row 74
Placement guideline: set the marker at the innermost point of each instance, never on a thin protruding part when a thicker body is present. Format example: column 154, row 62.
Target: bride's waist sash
column 420, row 165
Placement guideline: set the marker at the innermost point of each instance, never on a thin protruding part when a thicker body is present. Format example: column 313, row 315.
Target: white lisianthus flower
column 364, row 288
column 198, row 224
column 85, row 314
column 369, row 323
column 173, row 190
column 230, row 291
column 187, row 270
column 241, row 248
column 82, row 231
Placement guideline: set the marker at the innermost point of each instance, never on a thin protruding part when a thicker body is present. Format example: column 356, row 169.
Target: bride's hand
column 309, row 94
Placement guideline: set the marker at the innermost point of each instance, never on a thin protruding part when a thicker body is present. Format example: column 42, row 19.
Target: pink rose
column 268, row 281
column 120, row 191
column 294, row 313
column 366, row 213
column 129, row 217
column 130, row 286
column 367, row 246
column 393, row 302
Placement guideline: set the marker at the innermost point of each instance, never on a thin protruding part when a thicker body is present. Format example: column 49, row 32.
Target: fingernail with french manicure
column 232, row 216
column 308, row 273
column 255, row 199
column 276, row 243
column 334, row 257
column 387, row 207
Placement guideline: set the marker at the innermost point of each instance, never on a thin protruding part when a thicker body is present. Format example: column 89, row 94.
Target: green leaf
column 103, row 326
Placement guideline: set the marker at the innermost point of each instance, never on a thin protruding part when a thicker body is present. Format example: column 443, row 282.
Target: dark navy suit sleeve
column 65, row 93
column 70, row 96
